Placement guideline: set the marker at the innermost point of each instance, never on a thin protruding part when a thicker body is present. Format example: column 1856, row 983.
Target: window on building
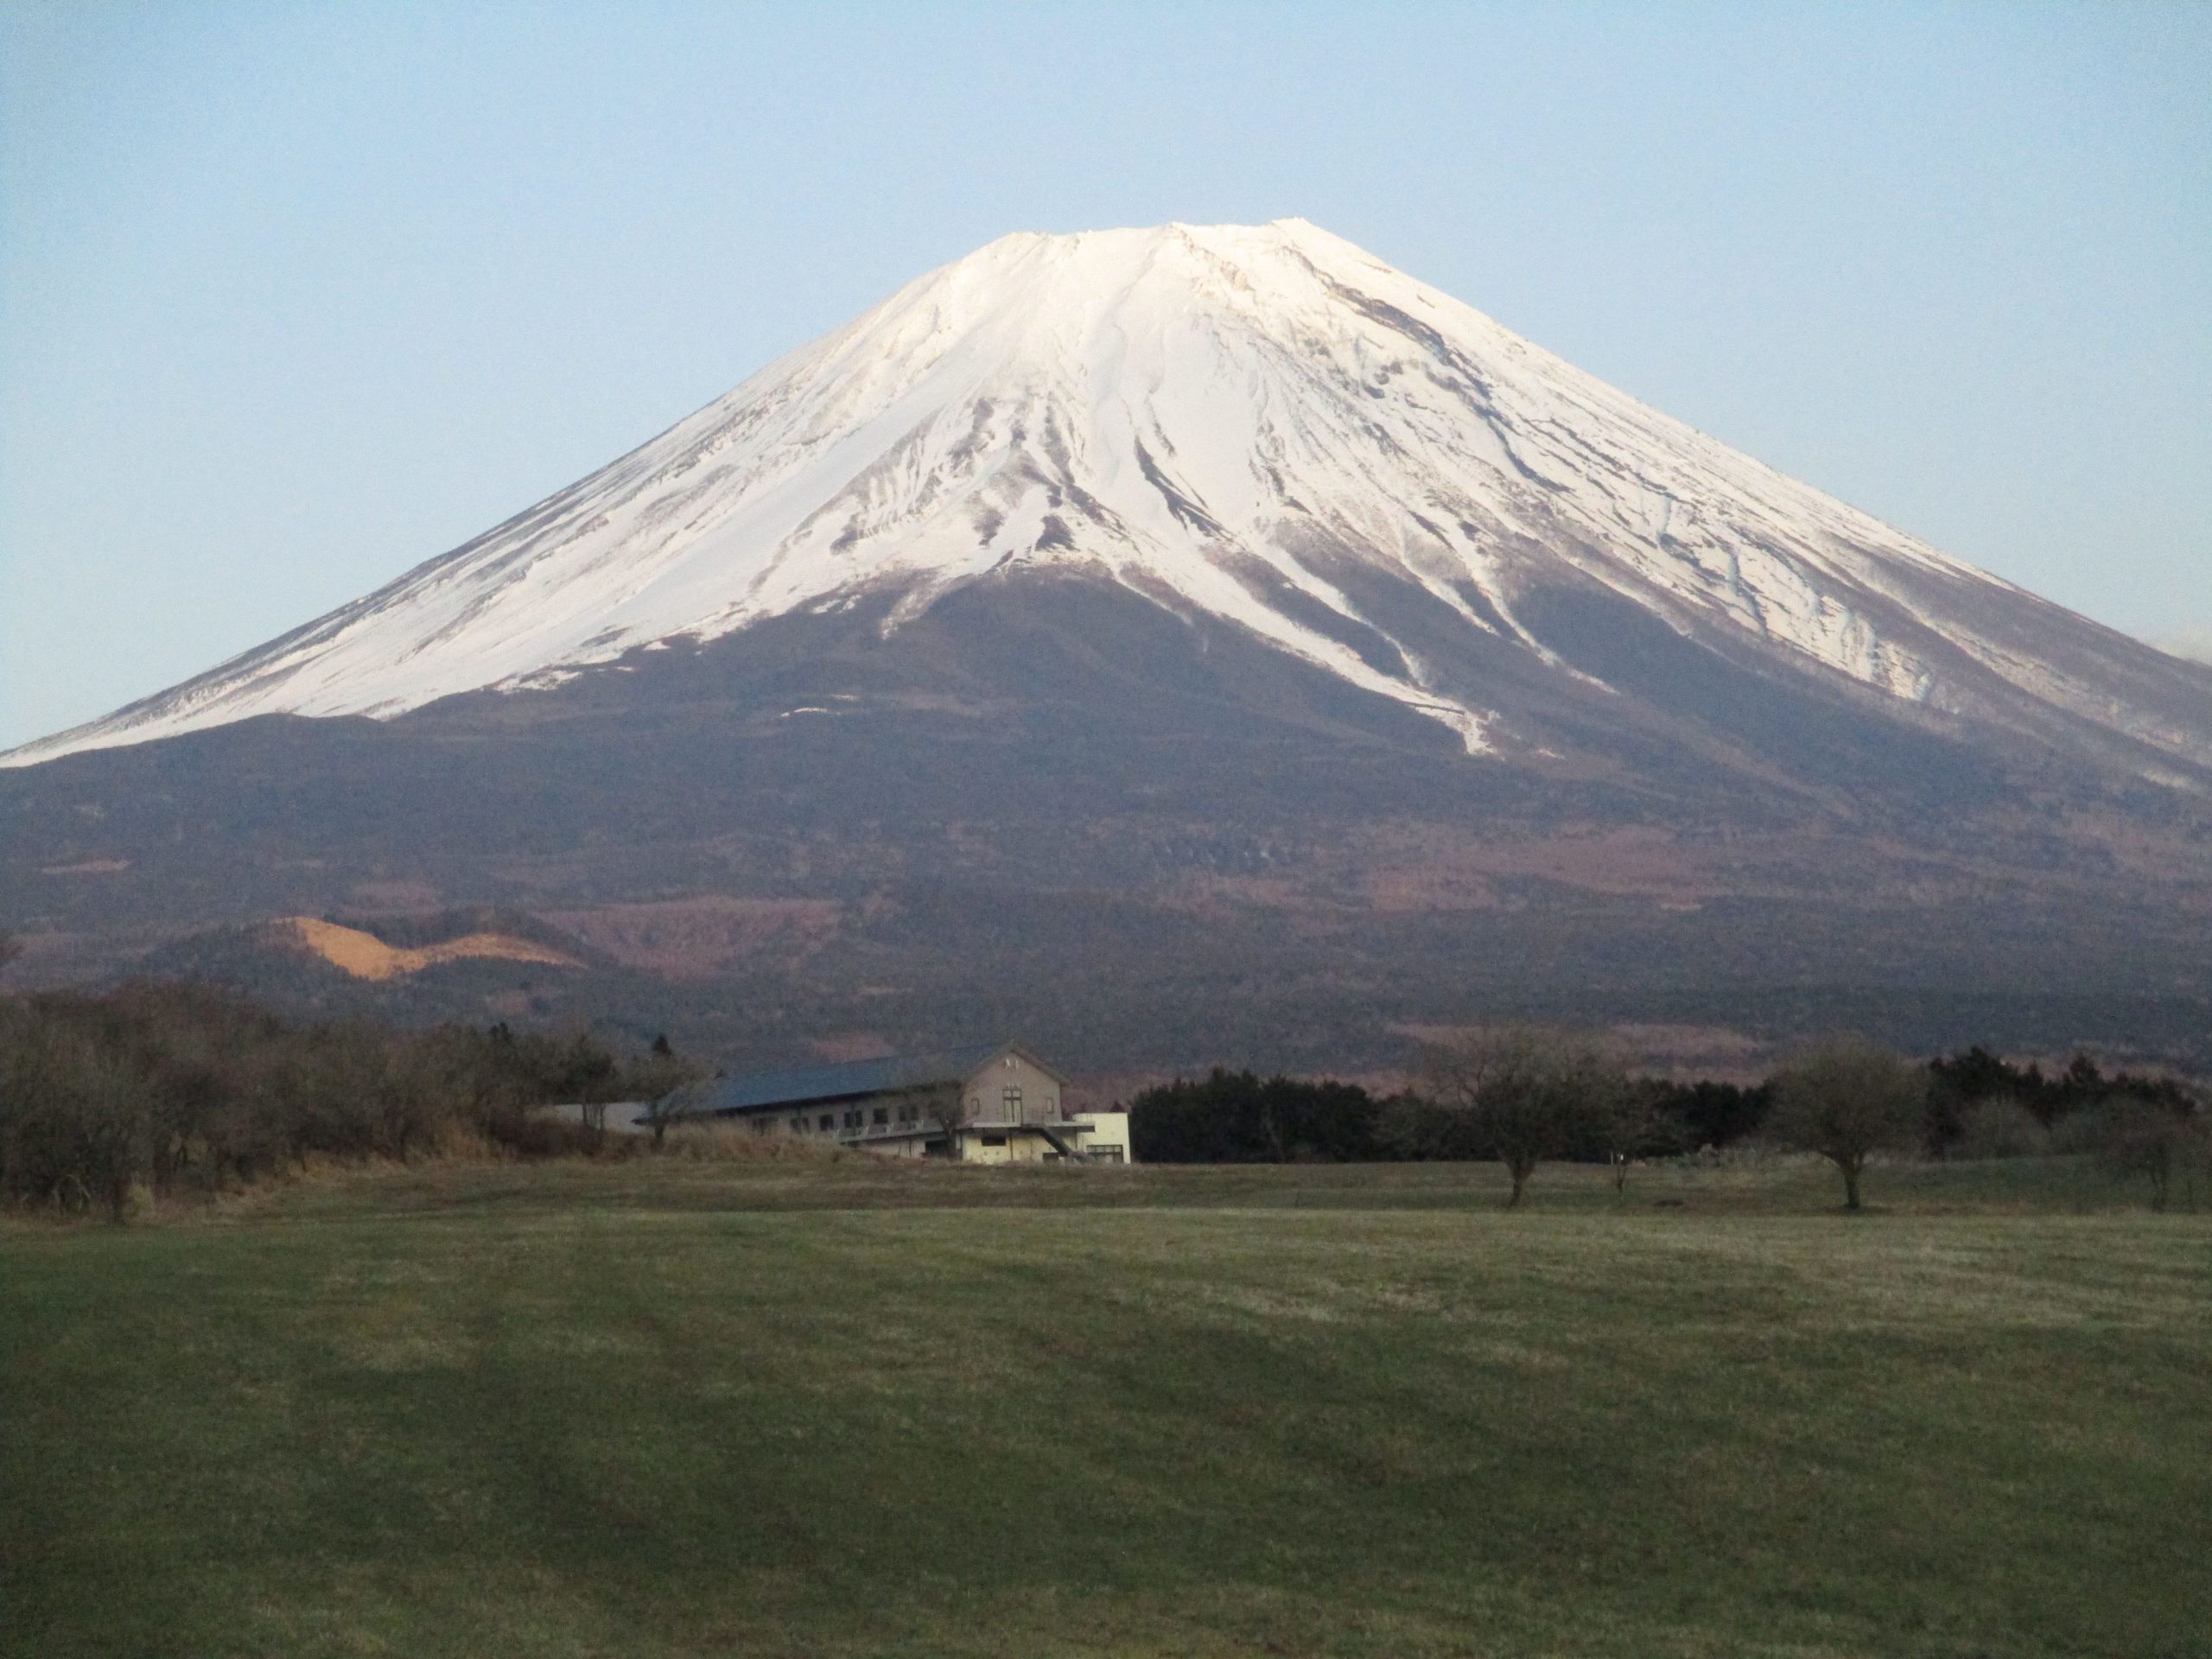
column 853, row 1119
column 880, row 1114
column 799, row 1126
column 994, row 1139
column 829, row 1121
column 909, row 1113
column 1105, row 1154
column 1012, row 1099
column 761, row 1126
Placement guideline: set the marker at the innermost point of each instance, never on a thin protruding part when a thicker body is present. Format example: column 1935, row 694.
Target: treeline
column 164, row 1090
column 1969, row 1091
column 1239, row 1118
column 1524, row 1094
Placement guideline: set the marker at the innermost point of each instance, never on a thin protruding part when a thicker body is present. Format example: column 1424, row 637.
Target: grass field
column 664, row 1408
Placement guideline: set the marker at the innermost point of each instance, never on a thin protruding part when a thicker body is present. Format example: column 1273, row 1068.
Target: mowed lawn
column 665, row 1408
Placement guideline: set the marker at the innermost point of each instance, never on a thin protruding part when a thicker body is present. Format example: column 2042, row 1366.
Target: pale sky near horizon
column 293, row 297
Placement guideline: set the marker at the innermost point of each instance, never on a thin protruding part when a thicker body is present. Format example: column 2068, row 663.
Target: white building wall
column 1109, row 1134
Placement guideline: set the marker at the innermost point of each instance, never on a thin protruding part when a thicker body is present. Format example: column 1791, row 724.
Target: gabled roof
column 806, row 1085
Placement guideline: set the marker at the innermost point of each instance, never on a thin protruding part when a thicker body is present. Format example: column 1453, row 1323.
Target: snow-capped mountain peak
column 1252, row 424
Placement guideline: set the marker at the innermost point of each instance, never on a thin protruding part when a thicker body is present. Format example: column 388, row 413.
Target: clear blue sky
column 295, row 296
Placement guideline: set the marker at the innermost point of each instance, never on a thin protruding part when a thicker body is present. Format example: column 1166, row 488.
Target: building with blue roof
column 995, row 1103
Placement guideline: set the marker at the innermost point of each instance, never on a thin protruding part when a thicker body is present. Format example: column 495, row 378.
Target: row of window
column 855, row 1119
column 851, row 1120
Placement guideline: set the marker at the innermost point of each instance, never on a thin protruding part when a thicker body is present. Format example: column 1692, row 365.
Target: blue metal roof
column 807, row 1084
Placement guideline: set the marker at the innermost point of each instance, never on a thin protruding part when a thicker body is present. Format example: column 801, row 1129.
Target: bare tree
column 948, row 1109
column 1525, row 1092
column 592, row 1114
column 661, row 1078
column 1847, row 1099
column 1630, row 1121
column 2149, row 1138
column 671, row 1106
column 2000, row 1127
column 74, row 1122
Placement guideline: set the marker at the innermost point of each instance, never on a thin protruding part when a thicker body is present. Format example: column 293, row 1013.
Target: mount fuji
column 1190, row 572
column 1263, row 426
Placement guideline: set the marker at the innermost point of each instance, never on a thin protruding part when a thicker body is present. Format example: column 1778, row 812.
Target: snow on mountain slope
column 1226, row 420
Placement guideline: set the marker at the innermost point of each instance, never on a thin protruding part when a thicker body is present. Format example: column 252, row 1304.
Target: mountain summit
column 1263, row 428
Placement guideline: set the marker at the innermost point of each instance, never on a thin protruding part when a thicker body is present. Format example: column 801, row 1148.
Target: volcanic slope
column 1198, row 630
column 1262, row 426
